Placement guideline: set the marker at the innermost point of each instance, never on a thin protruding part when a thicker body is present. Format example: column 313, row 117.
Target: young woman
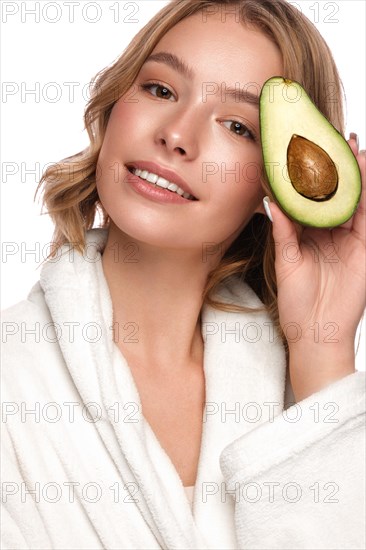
column 179, row 352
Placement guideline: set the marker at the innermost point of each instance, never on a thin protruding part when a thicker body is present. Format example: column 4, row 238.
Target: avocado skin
column 286, row 110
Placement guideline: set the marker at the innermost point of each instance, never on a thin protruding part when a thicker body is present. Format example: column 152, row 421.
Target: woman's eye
column 162, row 92
column 239, row 129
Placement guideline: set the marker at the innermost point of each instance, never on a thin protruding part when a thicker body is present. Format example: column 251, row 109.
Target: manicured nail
column 355, row 137
column 266, row 208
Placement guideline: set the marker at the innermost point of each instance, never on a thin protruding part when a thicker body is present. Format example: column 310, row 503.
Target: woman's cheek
column 246, row 192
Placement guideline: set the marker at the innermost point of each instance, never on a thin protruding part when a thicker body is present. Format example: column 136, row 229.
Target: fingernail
column 355, row 137
column 266, row 208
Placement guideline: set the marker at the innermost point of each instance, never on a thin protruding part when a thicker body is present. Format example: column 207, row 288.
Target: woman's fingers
column 353, row 143
column 359, row 218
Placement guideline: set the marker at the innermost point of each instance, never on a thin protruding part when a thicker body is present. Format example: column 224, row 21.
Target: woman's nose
column 179, row 134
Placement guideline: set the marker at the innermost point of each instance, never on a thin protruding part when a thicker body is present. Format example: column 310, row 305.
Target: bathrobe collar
column 244, row 367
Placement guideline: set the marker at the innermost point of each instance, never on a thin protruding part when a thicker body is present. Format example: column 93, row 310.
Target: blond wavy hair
column 69, row 187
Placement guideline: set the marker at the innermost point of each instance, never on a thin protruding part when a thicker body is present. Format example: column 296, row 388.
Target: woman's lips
column 163, row 172
column 152, row 192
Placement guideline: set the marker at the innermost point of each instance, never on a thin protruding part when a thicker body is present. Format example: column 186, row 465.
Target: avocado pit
column 312, row 172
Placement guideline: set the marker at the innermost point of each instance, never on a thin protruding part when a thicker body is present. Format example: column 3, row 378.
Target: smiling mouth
column 157, row 181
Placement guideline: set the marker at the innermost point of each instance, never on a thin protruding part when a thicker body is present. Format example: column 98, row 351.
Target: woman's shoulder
column 29, row 347
column 236, row 290
column 32, row 307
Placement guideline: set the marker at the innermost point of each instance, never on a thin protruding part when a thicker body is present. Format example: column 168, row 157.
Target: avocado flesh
column 287, row 113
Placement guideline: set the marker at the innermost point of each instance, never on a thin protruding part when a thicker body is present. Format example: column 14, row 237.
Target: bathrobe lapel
column 245, row 371
column 243, row 367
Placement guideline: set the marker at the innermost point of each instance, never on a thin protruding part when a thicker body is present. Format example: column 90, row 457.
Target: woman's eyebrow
column 236, row 94
column 174, row 62
column 240, row 96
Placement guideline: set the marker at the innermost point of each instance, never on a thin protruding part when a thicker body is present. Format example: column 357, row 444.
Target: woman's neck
column 157, row 300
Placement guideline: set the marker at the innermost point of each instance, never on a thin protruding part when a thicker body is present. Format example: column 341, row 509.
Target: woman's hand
column 321, row 293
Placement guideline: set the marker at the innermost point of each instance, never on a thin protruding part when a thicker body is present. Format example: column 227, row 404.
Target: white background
column 42, row 128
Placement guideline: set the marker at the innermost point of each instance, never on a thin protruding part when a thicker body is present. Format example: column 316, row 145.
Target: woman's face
column 187, row 122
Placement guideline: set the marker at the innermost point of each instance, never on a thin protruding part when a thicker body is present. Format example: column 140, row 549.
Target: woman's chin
column 142, row 234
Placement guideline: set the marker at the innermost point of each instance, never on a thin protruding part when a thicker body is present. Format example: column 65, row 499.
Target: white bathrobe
column 82, row 468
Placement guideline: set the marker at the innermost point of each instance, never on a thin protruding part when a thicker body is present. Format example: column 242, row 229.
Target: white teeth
column 152, row 178
column 161, row 182
column 172, row 187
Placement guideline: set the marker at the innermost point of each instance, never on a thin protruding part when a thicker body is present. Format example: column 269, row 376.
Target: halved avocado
column 311, row 169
